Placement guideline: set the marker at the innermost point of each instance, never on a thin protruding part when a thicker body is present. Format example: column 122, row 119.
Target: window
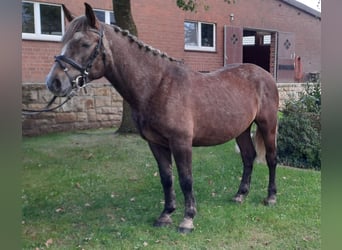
column 199, row 36
column 42, row 21
column 105, row 16
column 250, row 40
column 267, row 39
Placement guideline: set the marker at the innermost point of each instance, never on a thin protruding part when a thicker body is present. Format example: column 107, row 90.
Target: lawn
column 97, row 190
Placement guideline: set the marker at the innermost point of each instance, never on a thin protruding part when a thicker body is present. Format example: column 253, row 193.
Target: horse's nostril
column 54, row 85
column 57, row 84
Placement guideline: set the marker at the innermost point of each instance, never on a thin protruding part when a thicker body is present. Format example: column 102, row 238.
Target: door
column 232, row 44
column 286, row 55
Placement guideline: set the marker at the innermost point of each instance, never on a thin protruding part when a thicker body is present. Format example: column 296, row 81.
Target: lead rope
column 47, row 108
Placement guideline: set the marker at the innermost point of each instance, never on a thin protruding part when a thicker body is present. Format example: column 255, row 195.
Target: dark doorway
column 257, row 48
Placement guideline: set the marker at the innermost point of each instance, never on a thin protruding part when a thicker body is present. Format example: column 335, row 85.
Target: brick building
column 270, row 33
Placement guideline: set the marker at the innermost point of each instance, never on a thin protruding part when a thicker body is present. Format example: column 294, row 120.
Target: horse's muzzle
column 56, row 87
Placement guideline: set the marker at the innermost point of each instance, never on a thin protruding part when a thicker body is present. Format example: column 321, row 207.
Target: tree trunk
column 124, row 19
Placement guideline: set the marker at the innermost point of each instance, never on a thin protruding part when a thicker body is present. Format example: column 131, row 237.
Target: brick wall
column 37, row 59
column 160, row 23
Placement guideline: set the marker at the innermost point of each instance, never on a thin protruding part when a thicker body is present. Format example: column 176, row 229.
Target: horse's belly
column 212, row 131
column 215, row 137
column 197, row 142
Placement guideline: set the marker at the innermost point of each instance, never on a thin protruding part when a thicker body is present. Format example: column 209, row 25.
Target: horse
column 173, row 107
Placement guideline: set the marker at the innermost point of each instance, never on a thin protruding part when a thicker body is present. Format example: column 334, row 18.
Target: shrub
column 299, row 130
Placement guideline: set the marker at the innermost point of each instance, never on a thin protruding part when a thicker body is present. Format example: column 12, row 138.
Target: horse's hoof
column 163, row 221
column 184, row 230
column 158, row 223
column 270, row 201
column 187, row 226
column 239, row 198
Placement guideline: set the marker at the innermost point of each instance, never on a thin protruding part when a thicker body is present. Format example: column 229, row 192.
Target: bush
column 299, row 130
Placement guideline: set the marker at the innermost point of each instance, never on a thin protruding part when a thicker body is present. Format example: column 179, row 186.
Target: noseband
column 81, row 80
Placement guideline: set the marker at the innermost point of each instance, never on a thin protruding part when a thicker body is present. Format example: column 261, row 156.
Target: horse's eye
column 85, row 45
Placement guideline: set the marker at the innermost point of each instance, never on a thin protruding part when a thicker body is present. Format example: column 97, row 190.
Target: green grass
column 96, row 190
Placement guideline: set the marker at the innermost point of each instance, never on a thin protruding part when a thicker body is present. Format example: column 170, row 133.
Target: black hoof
column 161, row 224
column 185, row 230
column 163, row 221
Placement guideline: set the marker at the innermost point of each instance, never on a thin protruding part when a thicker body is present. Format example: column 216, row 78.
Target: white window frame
column 199, row 47
column 107, row 15
column 37, row 27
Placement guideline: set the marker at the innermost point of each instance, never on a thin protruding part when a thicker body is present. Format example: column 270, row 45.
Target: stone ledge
column 101, row 107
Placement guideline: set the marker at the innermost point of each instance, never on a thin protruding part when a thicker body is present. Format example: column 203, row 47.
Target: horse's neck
column 135, row 71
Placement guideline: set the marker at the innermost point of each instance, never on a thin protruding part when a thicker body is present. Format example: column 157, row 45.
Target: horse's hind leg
column 269, row 134
column 248, row 155
column 163, row 158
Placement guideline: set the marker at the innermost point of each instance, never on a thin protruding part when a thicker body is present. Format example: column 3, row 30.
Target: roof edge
column 303, row 7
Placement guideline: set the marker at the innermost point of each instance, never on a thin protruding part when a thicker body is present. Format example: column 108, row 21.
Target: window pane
column 51, row 20
column 190, row 33
column 207, row 36
column 100, row 15
column 112, row 18
column 27, row 18
column 248, row 40
column 267, row 39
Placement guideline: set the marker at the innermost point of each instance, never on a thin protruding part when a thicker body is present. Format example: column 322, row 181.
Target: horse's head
column 82, row 58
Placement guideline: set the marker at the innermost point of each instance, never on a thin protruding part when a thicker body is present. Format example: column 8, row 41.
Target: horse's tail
column 259, row 145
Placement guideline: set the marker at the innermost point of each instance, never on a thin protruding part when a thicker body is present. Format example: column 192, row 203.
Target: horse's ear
column 67, row 13
column 92, row 20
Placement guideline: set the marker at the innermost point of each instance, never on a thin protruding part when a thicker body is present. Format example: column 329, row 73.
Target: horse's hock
column 101, row 106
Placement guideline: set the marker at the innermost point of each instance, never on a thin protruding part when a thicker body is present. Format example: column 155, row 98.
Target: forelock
column 79, row 24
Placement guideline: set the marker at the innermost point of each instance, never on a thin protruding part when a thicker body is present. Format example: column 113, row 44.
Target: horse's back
column 251, row 78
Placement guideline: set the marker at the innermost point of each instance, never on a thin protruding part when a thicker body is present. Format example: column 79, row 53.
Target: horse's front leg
column 163, row 158
column 182, row 153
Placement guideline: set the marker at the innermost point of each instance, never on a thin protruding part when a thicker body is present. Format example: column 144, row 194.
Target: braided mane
column 142, row 45
column 80, row 24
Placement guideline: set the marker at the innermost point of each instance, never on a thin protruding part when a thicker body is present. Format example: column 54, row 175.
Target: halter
column 81, row 80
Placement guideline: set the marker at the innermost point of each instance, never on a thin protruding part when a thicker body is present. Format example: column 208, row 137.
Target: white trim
column 199, row 47
column 29, row 36
column 107, row 13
